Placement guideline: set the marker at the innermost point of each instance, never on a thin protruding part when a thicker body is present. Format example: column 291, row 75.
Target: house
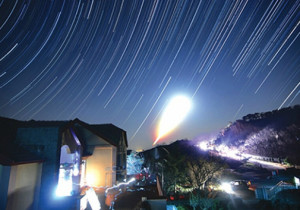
column 20, row 171
column 101, row 141
column 51, row 160
column 267, row 189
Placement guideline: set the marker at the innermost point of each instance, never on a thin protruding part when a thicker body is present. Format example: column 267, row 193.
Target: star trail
column 121, row 61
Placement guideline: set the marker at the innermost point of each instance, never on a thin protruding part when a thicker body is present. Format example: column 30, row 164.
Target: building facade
column 52, row 160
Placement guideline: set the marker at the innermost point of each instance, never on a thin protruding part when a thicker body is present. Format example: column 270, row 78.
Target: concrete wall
column 24, row 185
column 100, row 167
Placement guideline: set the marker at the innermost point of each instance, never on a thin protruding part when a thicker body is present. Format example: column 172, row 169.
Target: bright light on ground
column 93, row 199
column 90, row 198
column 173, row 115
column 203, row 146
column 234, row 153
column 227, row 188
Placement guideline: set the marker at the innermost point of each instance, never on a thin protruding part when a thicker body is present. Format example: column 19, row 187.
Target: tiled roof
column 11, row 153
column 14, row 155
column 109, row 132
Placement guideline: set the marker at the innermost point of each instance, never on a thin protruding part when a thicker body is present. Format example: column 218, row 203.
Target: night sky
column 121, row 62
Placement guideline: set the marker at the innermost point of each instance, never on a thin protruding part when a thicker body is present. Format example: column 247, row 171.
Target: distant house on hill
column 43, row 160
column 268, row 188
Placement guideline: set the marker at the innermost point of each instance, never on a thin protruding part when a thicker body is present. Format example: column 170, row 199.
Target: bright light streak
column 83, row 202
column 234, row 153
column 93, row 199
column 173, row 115
column 266, row 163
column 122, row 183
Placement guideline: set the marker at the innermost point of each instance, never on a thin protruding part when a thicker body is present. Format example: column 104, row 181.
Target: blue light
column 64, row 187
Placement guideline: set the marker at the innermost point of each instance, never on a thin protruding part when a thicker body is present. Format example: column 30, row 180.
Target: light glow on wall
column 83, row 171
column 91, row 178
column 75, row 170
column 64, row 187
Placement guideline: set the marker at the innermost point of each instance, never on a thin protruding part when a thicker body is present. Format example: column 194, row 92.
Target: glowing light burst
column 173, row 115
column 227, row 188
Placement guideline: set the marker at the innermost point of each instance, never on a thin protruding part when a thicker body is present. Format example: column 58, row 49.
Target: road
column 224, row 151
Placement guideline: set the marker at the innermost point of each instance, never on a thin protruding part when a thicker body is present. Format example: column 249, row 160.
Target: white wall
column 100, row 167
column 24, row 184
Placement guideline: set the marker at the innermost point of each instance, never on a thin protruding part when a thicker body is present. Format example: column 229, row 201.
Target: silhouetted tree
column 174, row 172
column 201, row 170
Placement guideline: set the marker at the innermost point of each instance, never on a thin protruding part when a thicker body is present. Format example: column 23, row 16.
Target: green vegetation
column 185, row 171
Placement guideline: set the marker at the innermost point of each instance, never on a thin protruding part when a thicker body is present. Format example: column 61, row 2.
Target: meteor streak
column 173, row 115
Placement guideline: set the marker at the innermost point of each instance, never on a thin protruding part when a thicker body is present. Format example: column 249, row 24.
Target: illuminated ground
column 129, row 199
